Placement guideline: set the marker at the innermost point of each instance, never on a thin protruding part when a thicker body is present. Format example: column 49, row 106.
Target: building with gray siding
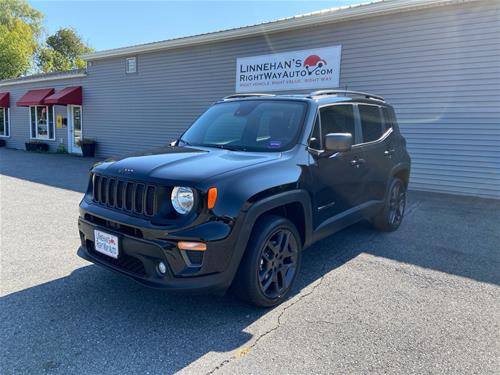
column 437, row 62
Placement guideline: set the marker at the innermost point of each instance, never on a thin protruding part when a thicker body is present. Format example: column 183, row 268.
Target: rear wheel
column 271, row 262
column 390, row 217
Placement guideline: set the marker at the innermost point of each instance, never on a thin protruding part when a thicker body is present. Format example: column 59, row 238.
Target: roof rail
column 346, row 92
column 248, row 95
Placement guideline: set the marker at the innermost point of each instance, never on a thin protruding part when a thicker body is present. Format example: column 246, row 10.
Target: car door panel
column 336, row 183
column 377, row 150
column 337, row 178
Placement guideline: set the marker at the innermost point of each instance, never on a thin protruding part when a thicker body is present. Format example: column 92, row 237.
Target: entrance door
column 75, row 128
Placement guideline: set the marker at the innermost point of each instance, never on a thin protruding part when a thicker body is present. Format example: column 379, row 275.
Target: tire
column 270, row 263
column 391, row 215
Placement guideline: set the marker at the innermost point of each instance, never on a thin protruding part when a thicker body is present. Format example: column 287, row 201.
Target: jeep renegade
column 255, row 179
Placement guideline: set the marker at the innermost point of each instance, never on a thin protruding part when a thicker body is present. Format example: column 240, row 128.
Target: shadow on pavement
column 96, row 321
column 60, row 171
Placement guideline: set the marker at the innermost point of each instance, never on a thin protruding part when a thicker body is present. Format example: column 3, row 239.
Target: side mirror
column 174, row 143
column 338, row 142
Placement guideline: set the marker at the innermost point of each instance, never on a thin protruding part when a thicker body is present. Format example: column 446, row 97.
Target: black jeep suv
column 256, row 179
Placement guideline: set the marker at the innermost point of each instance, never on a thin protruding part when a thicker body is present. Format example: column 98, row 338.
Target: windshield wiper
column 226, row 147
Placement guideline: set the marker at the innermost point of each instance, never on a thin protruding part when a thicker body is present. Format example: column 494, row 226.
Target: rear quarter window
column 389, row 118
column 371, row 122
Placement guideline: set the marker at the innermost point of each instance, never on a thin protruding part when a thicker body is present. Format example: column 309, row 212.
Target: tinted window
column 371, row 122
column 394, row 119
column 337, row 119
column 387, row 118
column 253, row 125
column 315, row 141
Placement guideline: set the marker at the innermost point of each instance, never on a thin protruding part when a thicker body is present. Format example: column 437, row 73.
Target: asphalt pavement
column 425, row 299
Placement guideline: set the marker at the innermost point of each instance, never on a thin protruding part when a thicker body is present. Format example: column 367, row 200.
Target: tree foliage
column 62, row 51
column 20, row 28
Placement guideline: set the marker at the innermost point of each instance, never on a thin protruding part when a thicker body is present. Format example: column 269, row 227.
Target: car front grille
column 125, row 195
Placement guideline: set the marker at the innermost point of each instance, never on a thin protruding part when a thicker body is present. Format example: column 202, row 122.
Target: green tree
column 20, row 28
column 62, row 51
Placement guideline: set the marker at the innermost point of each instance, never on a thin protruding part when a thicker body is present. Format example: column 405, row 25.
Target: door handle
column 389, row 152
column 357, row 162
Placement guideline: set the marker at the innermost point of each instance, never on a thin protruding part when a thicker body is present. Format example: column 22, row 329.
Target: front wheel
column 270, row 263
column 391, row 215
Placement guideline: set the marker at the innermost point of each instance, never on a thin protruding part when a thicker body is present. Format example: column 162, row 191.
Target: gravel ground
column 424, row 299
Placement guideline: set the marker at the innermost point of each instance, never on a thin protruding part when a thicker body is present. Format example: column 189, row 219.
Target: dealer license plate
column 106, row 243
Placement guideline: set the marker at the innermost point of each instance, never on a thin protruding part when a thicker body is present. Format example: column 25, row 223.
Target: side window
column 315, row 141
column 337, row 119
column 394, row 119
column 387, row 118
column 371, row 122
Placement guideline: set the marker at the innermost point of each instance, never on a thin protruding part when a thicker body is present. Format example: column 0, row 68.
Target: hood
column 181, row 164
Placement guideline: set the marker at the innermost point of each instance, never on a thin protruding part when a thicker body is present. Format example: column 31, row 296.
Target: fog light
column 162, row 268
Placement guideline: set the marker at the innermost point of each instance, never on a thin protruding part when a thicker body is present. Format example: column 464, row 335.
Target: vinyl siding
column 439, row 67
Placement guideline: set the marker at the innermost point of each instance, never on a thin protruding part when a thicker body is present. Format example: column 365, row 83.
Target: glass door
column 75, row 129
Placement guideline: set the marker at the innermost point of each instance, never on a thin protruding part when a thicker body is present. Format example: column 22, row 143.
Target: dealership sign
column 296, row 70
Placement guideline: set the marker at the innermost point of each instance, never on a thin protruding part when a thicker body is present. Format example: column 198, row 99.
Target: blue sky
column 112, row 24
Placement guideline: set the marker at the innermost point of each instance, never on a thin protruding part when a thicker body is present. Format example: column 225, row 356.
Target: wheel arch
column 402, row 171
column 295, row 205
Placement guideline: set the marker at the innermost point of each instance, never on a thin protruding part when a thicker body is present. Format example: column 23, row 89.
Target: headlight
column 182, row 199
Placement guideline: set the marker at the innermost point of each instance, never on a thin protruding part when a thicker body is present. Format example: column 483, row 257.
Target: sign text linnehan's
column 296, row 70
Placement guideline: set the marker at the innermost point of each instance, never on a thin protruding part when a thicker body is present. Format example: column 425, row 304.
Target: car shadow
column 96, row 321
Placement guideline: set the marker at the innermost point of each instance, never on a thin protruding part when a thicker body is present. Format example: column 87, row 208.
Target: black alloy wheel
column 391, row 215
column 271, row 262
column 278, row 263
column 397, row 203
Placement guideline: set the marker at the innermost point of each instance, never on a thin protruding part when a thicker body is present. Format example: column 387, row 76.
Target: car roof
column 319, row 97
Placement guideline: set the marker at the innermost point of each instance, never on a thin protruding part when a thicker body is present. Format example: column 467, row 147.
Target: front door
column 338, row 178
column 75, row 129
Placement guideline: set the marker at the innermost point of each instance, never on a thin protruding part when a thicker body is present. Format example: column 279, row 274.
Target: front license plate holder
column 106, row 243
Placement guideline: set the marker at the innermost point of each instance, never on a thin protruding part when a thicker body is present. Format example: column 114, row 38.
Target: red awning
column 68, row 95
column 34, row 97
column 4, row 100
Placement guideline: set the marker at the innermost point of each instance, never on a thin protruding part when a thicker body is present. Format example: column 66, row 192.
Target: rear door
column 377, row 150
column 337, row 179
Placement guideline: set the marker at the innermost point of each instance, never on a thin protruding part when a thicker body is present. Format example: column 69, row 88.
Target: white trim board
column 42, row 79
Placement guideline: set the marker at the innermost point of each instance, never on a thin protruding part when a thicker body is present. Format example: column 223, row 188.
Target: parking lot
column 425, row 299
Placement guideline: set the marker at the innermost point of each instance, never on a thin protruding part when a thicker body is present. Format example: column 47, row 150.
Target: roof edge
column 41, row 78
column 345, row 13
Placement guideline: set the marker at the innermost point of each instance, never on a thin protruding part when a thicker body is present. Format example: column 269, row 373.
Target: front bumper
column 139, row 259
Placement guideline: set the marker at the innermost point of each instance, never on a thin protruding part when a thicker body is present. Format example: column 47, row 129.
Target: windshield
column 249, row 125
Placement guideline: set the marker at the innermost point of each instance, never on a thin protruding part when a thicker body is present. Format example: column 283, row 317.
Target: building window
column 131, row 65
column 4, row 122
column 42, row 122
